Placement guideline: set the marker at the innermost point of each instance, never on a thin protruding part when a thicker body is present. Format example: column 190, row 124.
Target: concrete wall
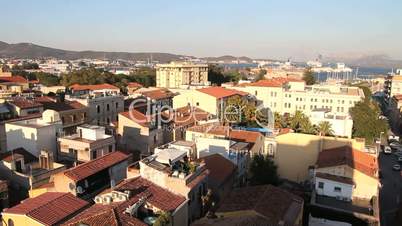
column 328, row 189
column 296, row 152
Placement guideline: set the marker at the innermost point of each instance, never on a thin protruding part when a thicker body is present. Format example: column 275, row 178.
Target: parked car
column 400, row 159
column 396, row 167
column 387, row 150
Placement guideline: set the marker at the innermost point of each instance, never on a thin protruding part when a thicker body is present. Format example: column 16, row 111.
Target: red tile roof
column 87, row 169
column 186, row 116
column 49, row 208
column 220, row 168
column 156, row 94
column 271, row 202
column 217, row 129
column 53, row 104
column 78, row 87
column 273, row 82
column 138, row 117
column 24, row 103
column 221, row 92
column 13, row 79
column 113, row 214
column 134, row 85
column 345, row 155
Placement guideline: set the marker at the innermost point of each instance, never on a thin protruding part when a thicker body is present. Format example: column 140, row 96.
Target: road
column 391, row 189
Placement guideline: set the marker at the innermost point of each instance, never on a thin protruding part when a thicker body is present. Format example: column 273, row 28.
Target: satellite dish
column 80, row 190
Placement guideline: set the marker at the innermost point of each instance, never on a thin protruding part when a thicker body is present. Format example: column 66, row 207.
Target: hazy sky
column 279, row 29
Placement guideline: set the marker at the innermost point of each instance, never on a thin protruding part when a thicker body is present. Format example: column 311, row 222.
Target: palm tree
column 325, row 129
column 307, row 127
column 297, row 120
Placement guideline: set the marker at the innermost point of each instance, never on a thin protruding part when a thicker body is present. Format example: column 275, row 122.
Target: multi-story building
column 90, row 142
column 289, row 95
column 104, row 101
column 22, row 107
column 135, row 201
column 171, row 169
column 140, row 133
column 210, row 99
column 393, row 84
column 10, row 85
column 181, row 74
column 150, row 100
column 35, row 134
column 348, row 175
column 71, row 113
column 341, row 124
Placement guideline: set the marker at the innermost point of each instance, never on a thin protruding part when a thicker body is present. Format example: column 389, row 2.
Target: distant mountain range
column 32, row 51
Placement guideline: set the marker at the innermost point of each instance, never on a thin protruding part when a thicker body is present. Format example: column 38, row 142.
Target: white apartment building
column 35, row 134
column 289, row 95
column 181, row 74
column 341, row 124
column 104, row 101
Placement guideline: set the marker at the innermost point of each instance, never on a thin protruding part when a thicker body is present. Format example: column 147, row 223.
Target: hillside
column 29, row 50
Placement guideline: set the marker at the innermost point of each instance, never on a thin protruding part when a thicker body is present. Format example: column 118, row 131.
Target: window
column 321, row 185
column 117, row 105
column 110, row 148
column 256, row 93
column 62, row 120
column 107, row 107
column 337, row 189
column 98, row 108
column 93, row 154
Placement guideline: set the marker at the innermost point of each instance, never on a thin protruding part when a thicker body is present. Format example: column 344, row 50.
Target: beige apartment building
column 289, row 95
column 90, row 142
column 181, row 74
column 393, row 84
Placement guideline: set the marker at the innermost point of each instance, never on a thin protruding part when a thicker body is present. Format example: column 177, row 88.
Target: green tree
column 261, row 75
column 308, row 76
column 239, row 111
column 366, row 121
column 263, row 171
column 307, row 127
column 163, row 219
column 215, row 74
column 325, row 129
column 297, row 120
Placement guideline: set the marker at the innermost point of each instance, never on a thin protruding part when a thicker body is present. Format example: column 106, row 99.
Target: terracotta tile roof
column 156, row 94
column 345, row 155
column 53, row 104
column 271, row 202
column 113, row 214
column 221, row 92
column 87, row 169
column 340, row 179
column 138, row 117
column 186, row 116
column 201, row 177
column 78, row 87
column 134, row 85
column 49, row 208
column 13, row 79
column 217, row 129
column 28, row 157
column 273, row 82
column 220, row 168
column 24, row 103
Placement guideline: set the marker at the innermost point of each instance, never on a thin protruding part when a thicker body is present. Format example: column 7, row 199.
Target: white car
column 396, row 167
column 387, row 150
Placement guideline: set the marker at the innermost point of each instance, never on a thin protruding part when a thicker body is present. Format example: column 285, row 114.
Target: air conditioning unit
column 98, row 200
column 108, row 199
